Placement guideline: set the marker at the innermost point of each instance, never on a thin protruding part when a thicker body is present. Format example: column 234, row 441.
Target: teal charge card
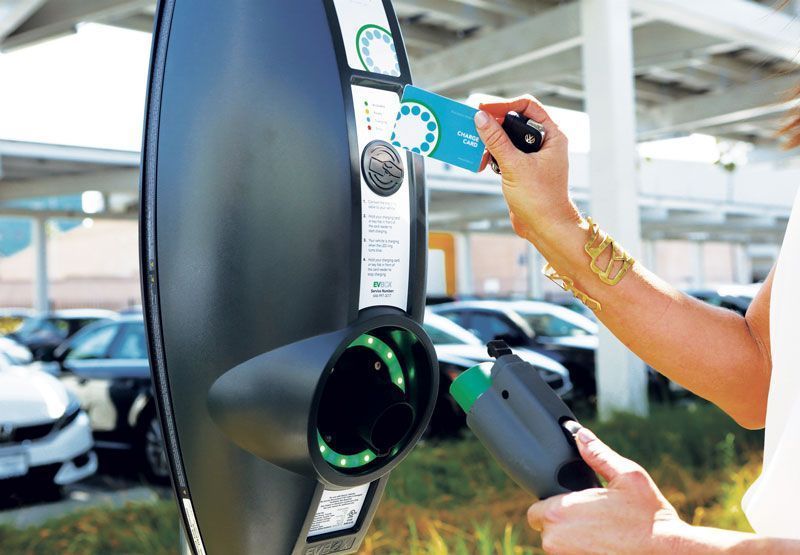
column 435, row 126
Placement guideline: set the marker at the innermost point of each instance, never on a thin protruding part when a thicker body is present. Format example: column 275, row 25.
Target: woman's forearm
column 713, row 352
column 698, row 540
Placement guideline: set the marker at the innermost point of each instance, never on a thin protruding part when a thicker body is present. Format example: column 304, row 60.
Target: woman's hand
column 630, row 515
column 534, row 185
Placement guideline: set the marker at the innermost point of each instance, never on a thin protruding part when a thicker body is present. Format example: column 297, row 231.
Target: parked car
column 105, row 365
column 457, row 350
column 12, row 318
column 732, row 297
column 17, row 353
column 557, row 332
column 44, row 332
column 45, row 438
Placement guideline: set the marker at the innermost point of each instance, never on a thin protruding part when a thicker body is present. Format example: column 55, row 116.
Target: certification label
column 385, row 220
column 338, row 510
column 367, row 40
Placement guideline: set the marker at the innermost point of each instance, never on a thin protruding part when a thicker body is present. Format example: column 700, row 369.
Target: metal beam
column 769, row 96
column 14, row 12
column 22, row 149
column 758, row 26
column 112, row 181
column 468, row 16
column 509, row 8
column 554, row 31
column 138, row 22
column 656, row 44
column 60, row 17
column 65, row 214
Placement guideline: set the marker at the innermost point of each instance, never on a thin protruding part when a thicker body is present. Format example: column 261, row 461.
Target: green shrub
column 150, row 528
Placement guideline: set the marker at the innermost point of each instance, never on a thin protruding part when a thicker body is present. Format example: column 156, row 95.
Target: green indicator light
column 388, row 357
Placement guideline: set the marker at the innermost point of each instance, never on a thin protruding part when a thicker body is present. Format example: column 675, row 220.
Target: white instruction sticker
column 367, row 39
column 338, row 510
column 385, row 220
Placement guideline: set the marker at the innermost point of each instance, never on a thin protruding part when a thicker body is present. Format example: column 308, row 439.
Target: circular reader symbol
column 416, row 128
column 382, row 168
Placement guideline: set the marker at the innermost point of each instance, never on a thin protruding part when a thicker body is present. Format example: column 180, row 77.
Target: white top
column 772, row 504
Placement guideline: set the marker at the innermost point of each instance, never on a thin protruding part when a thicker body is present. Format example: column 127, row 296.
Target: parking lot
column 114, row 485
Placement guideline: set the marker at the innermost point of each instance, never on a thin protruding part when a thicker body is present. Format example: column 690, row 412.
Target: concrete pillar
column 608, row 81
column 41, row 299
column 535, row 276
column 742, row 267
column 698, row 264
column 464, row 281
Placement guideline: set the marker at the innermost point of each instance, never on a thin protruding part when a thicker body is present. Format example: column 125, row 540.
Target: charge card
column 435, row 126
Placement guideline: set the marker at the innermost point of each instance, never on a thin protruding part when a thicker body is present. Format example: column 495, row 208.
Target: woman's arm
column 711, row 351
column 630, row 515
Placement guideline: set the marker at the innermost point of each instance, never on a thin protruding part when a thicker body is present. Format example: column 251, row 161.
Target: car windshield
column 549, row 325
column 444, row 332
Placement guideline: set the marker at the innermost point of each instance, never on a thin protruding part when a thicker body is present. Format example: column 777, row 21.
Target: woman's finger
column 494, row 137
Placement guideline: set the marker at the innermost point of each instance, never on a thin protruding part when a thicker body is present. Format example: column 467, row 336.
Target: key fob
column 525, row 134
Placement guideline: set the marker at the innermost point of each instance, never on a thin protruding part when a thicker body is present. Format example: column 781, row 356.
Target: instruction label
column 385, row 221
column 368, row 41
column 338, row 510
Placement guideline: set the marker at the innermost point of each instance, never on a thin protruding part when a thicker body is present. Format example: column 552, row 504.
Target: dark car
column 105, row 365
column 554, row 331
column 44, row 332
column 732, row 297
column 458, row 350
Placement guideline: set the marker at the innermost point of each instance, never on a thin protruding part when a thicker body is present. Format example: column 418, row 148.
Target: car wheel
column 154, row 464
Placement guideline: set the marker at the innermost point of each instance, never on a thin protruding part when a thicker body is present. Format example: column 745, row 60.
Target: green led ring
column 389, row 358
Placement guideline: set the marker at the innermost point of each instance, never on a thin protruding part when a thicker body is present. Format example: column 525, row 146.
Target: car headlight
column 70, row 414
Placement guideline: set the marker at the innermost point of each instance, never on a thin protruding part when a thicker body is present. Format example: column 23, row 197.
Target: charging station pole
column 283, row 253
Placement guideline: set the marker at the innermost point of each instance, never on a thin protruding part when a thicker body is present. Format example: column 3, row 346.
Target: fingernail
column 481, row 118
column 585, row 435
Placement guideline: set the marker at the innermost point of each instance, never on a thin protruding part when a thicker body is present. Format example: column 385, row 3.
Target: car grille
column 22, row 433
column 18, row 434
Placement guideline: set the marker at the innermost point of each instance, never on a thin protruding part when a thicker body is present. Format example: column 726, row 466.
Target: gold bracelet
column 620, row 261
column 568, row 285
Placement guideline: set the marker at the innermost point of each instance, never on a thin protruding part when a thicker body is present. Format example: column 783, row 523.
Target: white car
column 45, row 438
column 16, row 352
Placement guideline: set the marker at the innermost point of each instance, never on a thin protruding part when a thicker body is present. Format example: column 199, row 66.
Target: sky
column 88, row 89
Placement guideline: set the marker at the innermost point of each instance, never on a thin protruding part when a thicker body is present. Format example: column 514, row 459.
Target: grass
column 451, row 498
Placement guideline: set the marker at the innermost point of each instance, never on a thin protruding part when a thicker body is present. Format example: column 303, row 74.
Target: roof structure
column 722, row 68
column 719, row 67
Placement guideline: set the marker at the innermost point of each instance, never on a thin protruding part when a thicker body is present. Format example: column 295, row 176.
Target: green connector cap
column 471, row 384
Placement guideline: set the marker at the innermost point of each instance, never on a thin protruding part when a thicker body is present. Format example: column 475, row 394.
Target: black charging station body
column 283, row 253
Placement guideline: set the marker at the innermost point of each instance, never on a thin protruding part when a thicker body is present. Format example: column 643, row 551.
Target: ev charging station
column 283, row 256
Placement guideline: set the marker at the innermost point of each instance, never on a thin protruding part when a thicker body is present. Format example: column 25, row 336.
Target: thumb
column 494, row 137
column 601, row 458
